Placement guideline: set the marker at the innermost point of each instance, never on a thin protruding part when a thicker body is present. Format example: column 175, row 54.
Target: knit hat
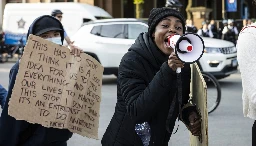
column 157, row 14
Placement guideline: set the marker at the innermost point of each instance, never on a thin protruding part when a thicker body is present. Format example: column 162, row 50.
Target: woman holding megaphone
column 147, row 94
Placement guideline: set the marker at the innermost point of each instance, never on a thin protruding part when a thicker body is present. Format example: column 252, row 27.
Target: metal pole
column 2, row 4
column 122, row 8
column 187, row 9
column 137, row 10
column 155, row 3
column 223, row 10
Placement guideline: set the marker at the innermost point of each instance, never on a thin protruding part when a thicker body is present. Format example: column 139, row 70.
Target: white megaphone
column 189, row 47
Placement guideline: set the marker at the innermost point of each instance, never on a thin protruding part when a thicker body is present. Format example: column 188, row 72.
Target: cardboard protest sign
column 199, row 97
column 56, row 89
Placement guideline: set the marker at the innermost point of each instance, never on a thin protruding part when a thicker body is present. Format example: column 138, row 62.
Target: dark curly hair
column 254, row 2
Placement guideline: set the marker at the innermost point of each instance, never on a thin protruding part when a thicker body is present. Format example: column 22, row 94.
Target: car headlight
column 212, row 50
column 234, row 49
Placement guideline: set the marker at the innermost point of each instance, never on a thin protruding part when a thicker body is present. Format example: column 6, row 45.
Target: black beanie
column 157, row 14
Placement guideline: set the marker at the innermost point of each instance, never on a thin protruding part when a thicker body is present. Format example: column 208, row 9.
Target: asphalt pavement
column 227, row 125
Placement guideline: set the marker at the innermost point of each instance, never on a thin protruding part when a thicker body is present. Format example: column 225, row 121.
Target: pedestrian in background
column 245, row 22
column 205, row 31
column 190, row 26
column 249, row 21
column 19, row 132
column 246, row 50
column 230, row 32
column 224, row 24
column 147, row 102
column 3, row 94
column 212, row 26
column 59, row 15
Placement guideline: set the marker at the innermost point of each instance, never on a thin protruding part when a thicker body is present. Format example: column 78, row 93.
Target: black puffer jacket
column 145, row 90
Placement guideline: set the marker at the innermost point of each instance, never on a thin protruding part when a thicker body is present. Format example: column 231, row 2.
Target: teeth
column 166, row 44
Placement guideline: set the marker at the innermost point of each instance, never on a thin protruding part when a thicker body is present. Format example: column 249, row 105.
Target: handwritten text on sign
column 56, row 89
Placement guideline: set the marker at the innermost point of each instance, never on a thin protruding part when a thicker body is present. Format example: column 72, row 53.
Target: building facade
column 113, row 7
column 126, row 8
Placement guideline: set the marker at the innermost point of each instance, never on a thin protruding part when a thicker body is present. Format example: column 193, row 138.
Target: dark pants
column 254, row 134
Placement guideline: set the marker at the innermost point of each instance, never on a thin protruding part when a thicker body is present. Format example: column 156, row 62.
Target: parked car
column 108, row 40
column 220, row 58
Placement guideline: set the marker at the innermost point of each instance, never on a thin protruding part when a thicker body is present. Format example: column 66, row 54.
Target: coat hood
column 31, row 29
column 146, row 47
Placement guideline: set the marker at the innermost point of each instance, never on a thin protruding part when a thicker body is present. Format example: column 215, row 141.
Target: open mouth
column 166, row 42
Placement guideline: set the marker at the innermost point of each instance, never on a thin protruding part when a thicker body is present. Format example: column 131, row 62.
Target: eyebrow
column 177, row 20
column 49, row 32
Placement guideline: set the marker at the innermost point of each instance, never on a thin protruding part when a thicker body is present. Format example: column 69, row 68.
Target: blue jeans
column 3, row 94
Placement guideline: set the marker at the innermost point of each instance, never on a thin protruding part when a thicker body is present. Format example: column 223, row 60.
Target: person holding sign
column 21, row 133
column 246, row 50
column 147, row 88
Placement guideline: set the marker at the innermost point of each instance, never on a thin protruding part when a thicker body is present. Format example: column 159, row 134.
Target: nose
column 172, row 30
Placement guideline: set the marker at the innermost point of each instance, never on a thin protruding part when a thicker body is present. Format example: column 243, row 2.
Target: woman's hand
column 174, row 62
column 195, row 124
column 74, row 50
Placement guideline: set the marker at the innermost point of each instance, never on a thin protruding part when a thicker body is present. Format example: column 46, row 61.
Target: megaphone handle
column 178, row 70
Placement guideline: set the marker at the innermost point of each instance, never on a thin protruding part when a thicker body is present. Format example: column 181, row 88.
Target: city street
column 227, row 126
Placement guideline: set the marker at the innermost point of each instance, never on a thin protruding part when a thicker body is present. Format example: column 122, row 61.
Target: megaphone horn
column 189, row 47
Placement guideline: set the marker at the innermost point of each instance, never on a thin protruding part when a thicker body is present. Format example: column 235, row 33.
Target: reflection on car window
column 113, row 31
column 96, row 30
column 135, row 29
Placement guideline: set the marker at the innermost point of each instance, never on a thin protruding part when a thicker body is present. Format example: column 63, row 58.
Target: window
column 13, row 1
column 96, row 30
column 135, row 29
column 86, row 20
column 112, row 31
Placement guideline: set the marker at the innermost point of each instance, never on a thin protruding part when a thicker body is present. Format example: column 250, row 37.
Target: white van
column 19, row 16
